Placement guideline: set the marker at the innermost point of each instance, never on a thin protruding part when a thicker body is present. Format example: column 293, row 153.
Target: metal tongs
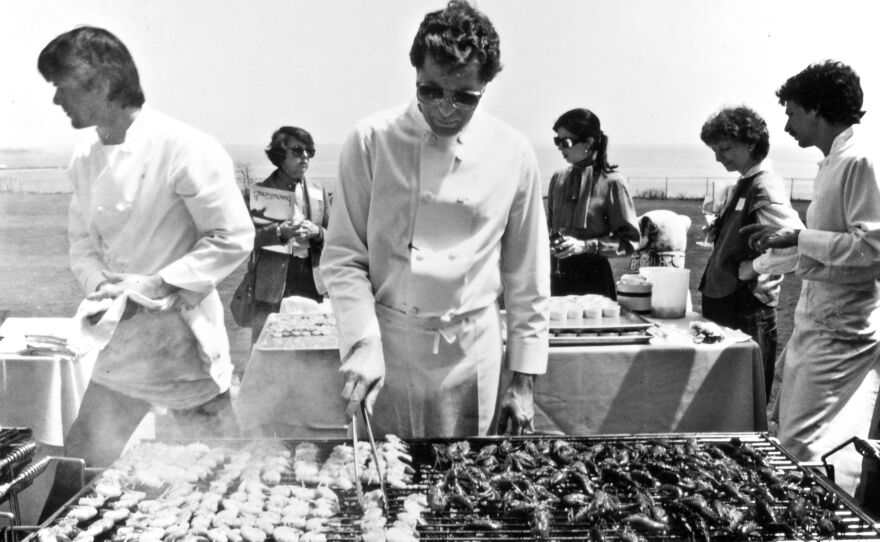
column 357, row 478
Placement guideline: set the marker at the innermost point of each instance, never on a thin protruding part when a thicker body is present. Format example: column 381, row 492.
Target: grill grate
column 493, row 520
column 858, row 526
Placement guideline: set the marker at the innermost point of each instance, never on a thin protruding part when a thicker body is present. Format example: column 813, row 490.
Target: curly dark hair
column 457, row 35
column 741, row 124
column 100, row 54
column 830, row 88
column 583, row 123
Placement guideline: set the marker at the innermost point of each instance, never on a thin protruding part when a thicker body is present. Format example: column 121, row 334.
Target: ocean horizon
column 678, row 171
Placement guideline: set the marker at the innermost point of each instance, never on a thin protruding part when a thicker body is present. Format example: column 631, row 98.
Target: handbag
column 242, row 304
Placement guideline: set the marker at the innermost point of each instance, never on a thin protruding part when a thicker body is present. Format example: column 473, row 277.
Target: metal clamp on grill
column 868, row 448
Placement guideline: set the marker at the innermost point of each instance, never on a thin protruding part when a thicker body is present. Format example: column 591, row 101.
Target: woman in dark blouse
column 589, row 210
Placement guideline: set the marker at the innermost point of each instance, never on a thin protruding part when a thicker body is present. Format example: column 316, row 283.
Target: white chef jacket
column 164, row 201
column 432, row 227
column 828, row 377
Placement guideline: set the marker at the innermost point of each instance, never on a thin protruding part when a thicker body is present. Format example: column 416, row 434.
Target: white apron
column 442, row 377
column 830, row 376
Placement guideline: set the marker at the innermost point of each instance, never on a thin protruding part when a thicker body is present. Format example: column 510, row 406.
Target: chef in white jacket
column 155, row 212
column 438, row 208
column 828, row 377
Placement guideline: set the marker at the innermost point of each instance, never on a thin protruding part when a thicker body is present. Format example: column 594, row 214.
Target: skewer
column 375, row 453
column 359, row 491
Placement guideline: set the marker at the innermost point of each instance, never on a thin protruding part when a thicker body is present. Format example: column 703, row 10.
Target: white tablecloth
column 290, row 392
column 672, row 385
column 40, row 392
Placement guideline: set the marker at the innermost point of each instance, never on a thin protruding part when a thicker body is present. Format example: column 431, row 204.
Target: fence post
column 791, row 188
column 666, row 190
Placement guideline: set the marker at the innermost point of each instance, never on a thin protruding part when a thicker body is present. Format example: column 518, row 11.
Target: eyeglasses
column 564, row 142
column 301, row 151
column 460, row 99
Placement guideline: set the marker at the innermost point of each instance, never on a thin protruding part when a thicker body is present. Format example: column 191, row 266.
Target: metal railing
column 54, row 180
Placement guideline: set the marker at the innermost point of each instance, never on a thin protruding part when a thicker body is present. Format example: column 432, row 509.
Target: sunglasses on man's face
column 460, row 99
column 564, row 142
column 300, row 151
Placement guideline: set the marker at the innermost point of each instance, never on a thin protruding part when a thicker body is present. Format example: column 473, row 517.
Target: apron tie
column 448, row 335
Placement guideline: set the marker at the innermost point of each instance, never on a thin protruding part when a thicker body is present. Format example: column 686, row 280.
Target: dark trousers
column 582, row 274
column 742, row 311
column 106, row 421
column 300, row 281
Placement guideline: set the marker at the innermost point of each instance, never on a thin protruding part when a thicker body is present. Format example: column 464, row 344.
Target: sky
column 652, row 70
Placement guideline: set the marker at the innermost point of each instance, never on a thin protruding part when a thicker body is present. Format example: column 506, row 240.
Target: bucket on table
column 669, row 297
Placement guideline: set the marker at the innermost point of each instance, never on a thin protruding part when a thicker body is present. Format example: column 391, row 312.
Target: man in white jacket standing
column 828, row 377
column 438, row 206
column 155, row 211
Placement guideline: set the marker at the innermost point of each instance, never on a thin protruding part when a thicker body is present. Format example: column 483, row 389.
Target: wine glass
column 709, row 215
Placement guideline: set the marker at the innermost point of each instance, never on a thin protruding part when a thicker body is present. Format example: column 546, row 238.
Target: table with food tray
column 636, row 375
column 621, row 375
column 41, row 381
column 699, row 486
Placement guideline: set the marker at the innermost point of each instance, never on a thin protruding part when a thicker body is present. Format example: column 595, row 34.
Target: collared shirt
column 165, row 201
column 593, row 208
column 842, row 240
column 433, row 227
column 756, row 197
column 773, row 263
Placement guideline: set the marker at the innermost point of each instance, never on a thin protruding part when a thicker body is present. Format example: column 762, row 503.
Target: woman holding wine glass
column 589, row 210
column 740, row 287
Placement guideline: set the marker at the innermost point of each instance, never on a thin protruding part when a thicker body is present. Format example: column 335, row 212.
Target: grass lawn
column 35, row 280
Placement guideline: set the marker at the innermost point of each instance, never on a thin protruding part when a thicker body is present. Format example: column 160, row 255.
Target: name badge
column 740, row 204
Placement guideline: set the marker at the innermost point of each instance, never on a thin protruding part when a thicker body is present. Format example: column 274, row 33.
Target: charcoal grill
column 457, row 525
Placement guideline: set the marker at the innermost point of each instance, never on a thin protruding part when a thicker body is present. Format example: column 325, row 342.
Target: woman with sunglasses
column 286, row 253
column 588, row 209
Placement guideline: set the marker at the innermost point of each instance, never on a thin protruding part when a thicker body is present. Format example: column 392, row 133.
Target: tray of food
column 295, row 331
column 593, row 313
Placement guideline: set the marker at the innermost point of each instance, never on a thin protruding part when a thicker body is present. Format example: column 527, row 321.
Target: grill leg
column 69, row 479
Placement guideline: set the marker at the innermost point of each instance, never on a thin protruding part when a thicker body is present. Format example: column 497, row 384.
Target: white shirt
column 165, row 201
column 432, row 227
column 842, row 241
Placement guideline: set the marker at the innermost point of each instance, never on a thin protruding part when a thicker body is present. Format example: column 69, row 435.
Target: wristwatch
column 278, row 233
